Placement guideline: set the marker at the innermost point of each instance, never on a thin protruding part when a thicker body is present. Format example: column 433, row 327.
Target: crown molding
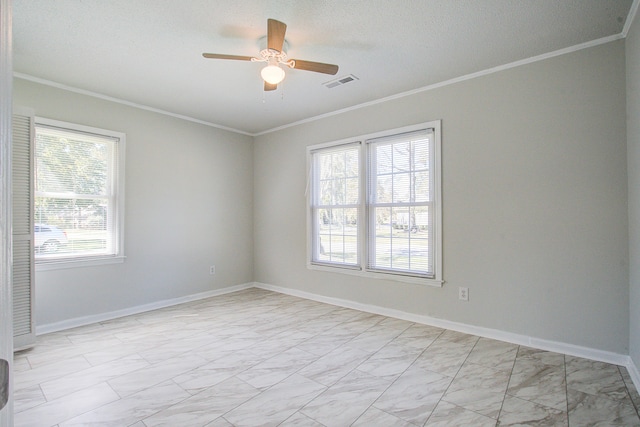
column 630, row 18
column 471, row 76
column 449, row 82
column 57, row 85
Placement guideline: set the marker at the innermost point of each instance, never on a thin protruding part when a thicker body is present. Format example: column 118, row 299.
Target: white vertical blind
column 23, row 262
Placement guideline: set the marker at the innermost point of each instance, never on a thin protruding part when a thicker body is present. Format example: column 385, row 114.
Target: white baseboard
column 102, row 317
column 542, row 344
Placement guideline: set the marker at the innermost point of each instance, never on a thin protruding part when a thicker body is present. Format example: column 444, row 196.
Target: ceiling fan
column 274, row 55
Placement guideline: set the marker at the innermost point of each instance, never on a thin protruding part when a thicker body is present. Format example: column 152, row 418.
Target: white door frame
column 6, row 302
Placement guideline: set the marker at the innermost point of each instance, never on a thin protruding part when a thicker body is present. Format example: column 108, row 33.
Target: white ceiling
column 149, row 52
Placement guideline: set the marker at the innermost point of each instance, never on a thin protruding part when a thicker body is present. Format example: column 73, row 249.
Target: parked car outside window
column 49, row 238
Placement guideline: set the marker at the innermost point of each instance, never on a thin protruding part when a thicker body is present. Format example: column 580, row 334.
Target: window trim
column 118, row 184
column 361, row 269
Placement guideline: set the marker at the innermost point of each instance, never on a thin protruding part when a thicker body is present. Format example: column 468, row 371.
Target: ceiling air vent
column 340, row 81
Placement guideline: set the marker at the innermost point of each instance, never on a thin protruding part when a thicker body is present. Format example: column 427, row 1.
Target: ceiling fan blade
column 221, row 56
column 269, row 86
column 318, row 67
column 275, row 34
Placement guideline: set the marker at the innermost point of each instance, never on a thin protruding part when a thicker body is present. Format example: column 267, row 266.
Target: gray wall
column 633, row 147
column 188, row 205
column 535, row 201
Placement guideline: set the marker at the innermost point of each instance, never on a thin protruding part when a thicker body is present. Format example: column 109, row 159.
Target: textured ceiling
column 149, row 52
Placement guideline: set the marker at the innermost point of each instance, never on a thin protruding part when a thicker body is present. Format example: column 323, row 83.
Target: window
column 375, row 205
column 336, row 204
column 79, row 194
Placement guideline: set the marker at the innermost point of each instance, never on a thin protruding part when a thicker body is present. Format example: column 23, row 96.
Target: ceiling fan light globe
column 272, row 74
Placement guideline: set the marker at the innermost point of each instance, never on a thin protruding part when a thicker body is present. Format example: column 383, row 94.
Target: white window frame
column 118, row 186
column 363, row 219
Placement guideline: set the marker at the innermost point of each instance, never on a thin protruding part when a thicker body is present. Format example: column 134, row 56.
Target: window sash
column 397, row 168
column 335, row 205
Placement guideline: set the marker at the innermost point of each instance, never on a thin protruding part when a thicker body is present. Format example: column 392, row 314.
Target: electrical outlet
column 212, row 270
column 463, row 294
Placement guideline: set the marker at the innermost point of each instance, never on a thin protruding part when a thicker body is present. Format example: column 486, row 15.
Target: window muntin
column 397, row 217
column 336, row 205
column 78, row 199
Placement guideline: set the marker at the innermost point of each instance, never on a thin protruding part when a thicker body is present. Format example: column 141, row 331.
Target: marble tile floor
column 259, row 358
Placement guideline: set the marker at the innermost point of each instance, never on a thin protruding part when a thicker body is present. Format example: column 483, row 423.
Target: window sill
column 376, row 275
column 59, row 264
